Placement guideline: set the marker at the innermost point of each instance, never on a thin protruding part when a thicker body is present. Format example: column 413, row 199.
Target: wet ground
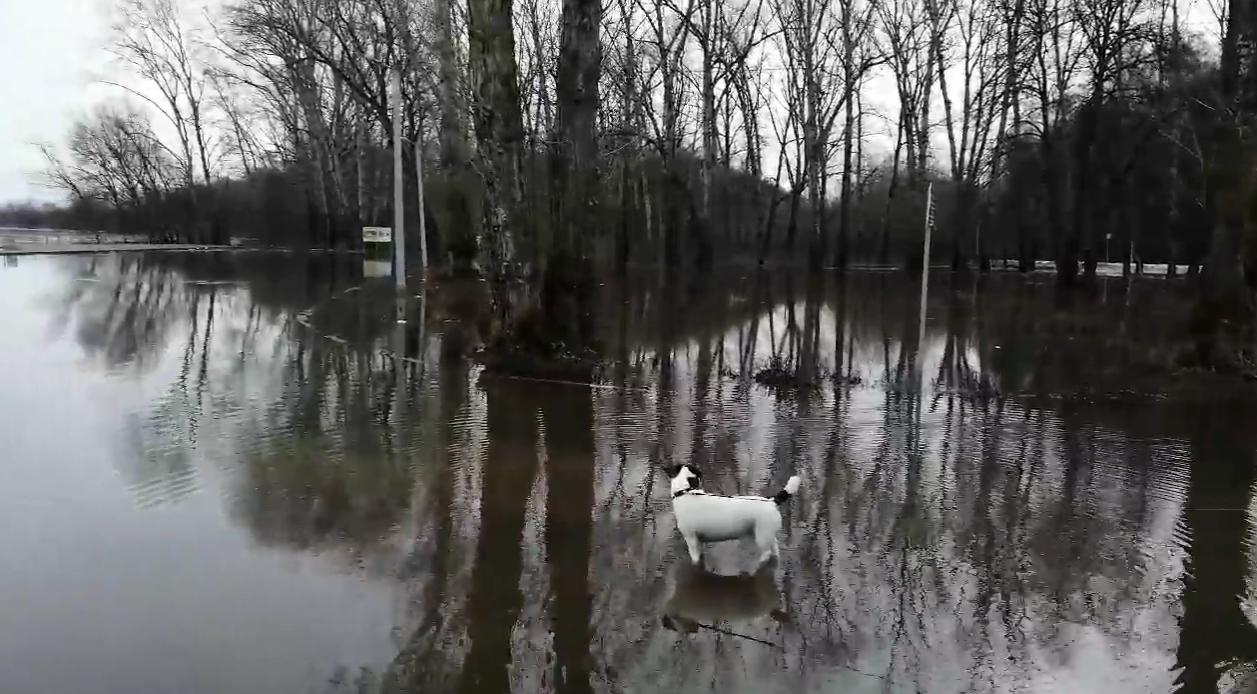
column 235, row 472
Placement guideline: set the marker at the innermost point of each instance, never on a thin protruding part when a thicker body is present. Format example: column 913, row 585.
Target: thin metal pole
column 399, row 365
column 925, row 266
column 423, row 225
column 423, row 342
column 399, row 231
column 977, row 247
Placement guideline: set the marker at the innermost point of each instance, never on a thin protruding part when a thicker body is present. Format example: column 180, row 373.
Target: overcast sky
column 50, row 52
column 53, row 54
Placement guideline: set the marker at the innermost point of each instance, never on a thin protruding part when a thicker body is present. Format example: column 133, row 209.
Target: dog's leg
column 691, row 541
column 767, row 545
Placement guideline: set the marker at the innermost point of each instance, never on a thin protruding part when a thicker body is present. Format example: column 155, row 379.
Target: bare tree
column 811, row 42
column 859, row 56
column 905, row 40
column 152, row 39
column 1230, row 260
column 115, row 157
column 1054, row 46
column 679, row 107
column 499, row 126
column 967, row 44
column 666, row 40
column 1112, row 33
column 537, row 22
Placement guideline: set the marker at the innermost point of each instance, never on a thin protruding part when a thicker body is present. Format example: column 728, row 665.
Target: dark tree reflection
column 1004, row 502
column 570, row 503
column 509, row 467
column 1215, row 631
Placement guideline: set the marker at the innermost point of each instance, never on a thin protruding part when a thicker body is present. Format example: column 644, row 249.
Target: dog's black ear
column 694, row 470
column 672, row 470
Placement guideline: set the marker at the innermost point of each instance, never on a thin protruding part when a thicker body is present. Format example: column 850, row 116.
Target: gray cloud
column 51, row 51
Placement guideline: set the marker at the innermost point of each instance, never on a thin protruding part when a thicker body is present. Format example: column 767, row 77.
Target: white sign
column 377, row 234
column 376, row 268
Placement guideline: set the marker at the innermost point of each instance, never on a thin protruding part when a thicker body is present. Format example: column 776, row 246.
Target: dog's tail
column 792, row 488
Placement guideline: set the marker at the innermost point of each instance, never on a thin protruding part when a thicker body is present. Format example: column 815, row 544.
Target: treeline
column 84, row 215
column 554, row 132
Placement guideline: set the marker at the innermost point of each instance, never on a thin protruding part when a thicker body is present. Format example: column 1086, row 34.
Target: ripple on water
column 169, row 486
column 935, row 544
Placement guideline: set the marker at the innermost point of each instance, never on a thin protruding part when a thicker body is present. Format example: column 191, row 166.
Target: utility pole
column 399, row 234
column 423, row 225
column 925, row 264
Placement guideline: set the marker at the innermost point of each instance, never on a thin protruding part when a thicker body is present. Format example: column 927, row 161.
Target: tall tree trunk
column 568, row 275
column 816, row 198
column 360, row 169
column 922, row 126
column 792, row 224
column 499, row 132
column 580, row 59
column 857, row 220
column 1079, row 235
column 710, row 140
column 629, row 121
column 1066, row 244
column 1226, row 292
column 669, row 228
column 456, row 228
column 844, row 204
column 890, row 192
column 320, row 141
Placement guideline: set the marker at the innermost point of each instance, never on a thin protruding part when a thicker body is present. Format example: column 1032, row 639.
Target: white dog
column 703, row 517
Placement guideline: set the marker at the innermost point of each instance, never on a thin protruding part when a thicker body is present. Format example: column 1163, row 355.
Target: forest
column 556, row 136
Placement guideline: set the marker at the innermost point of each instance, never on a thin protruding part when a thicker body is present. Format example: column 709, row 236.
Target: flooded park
column 237, row 472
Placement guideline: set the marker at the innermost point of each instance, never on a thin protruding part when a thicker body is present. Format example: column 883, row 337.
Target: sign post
column 399, row 245
column 925, row 264
column 372, row 265
column 377, row 234
column 423, row 225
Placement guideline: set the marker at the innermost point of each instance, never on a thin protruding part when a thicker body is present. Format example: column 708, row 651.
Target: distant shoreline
column 66, row 248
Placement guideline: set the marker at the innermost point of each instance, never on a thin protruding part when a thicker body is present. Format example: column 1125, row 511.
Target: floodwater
column 236, row 472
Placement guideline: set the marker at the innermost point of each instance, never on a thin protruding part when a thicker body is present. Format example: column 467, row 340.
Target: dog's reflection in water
column 703, row 599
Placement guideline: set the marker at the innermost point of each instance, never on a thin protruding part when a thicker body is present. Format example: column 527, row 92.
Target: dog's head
column 685, row 476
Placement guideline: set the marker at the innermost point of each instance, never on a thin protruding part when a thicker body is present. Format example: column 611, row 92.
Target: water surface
column 236, row 472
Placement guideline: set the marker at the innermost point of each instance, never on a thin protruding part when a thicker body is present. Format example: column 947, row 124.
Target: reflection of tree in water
column 218, row 325
column 495, row 601
column 966, row 557
column 124, row 307
column 139, row 315
column 426, row 660
column 306, row 494
column 964, row 551
column 1216, row 633
column 524, row 425
column 570, row 498
column 349, row 447
column 945, row 541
